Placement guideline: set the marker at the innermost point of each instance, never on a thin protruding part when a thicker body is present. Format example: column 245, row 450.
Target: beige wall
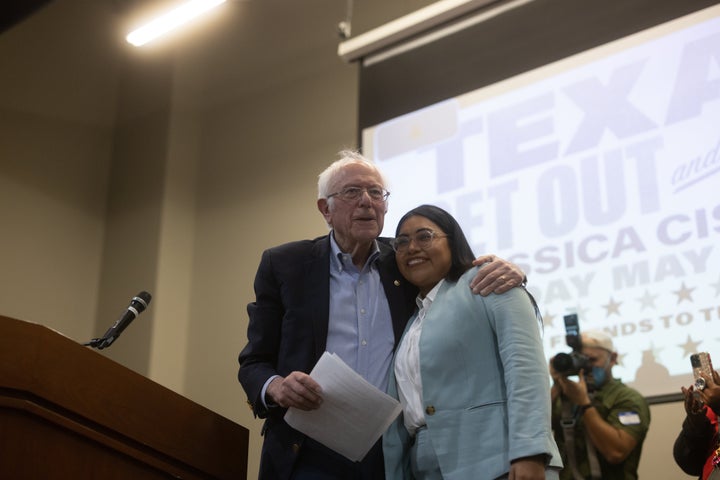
column 53, row 185
column 155, row 192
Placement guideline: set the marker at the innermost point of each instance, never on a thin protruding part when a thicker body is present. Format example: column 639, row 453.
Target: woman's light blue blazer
column 486, row 389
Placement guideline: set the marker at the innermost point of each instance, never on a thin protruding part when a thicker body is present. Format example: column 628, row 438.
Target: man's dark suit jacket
column 288, row 330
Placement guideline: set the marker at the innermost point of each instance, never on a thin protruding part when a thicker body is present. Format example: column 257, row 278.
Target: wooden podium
column 68, row 412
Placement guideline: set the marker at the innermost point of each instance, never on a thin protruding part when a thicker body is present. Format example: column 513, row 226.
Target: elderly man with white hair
column 599, row 423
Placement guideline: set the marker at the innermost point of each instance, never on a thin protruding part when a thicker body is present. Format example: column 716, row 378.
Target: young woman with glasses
column 469, row 371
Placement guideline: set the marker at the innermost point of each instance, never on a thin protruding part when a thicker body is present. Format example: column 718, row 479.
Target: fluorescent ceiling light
column 173, row 19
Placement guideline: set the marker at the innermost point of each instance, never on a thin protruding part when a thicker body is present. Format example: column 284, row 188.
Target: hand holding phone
column 701, row 363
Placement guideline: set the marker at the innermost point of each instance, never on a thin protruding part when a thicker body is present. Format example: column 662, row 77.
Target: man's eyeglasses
column 377, row 194
column 423, row 239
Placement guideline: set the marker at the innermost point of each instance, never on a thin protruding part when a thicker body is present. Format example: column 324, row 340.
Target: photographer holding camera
column 599, row 423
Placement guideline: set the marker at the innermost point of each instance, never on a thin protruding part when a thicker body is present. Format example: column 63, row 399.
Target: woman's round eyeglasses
column 423, row 239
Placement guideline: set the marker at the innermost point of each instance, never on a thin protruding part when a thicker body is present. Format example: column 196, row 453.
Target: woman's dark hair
column 462, row 255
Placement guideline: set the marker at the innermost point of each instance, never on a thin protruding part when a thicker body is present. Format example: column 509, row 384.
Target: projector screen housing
column 518, row 40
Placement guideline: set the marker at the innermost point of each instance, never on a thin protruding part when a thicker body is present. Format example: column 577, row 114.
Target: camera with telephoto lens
column 567, row 364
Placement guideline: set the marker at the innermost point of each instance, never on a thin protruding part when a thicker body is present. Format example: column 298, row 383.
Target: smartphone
column 572, row 332
column 701, row 363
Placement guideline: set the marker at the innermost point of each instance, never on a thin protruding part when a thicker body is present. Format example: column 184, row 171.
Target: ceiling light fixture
column 170, row 20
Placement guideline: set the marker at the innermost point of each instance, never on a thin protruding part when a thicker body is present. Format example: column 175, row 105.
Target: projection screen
column 598, row 174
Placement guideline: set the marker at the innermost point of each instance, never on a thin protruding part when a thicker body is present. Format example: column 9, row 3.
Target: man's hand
column 297, row 390
column 576, row 392
column 497, row 276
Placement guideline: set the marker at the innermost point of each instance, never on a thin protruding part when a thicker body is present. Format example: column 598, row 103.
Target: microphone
column 138, row 304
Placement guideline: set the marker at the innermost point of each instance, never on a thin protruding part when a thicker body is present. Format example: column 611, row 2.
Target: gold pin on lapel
column 396, row 283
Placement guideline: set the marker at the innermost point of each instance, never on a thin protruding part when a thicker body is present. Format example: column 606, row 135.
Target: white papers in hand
column 353, row 415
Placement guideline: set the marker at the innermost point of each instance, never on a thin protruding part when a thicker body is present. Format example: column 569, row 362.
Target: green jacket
column 620, row 406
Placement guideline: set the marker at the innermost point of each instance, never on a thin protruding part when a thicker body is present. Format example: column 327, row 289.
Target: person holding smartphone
column 697, row 448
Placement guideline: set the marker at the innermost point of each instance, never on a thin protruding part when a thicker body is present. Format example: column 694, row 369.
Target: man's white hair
column 326, row 179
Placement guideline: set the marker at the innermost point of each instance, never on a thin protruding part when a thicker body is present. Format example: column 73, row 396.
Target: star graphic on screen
column 684, row 293
column 612, row 307
column 717, row 287
column 548, row 319
column 647, row 300
column 690, row 347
